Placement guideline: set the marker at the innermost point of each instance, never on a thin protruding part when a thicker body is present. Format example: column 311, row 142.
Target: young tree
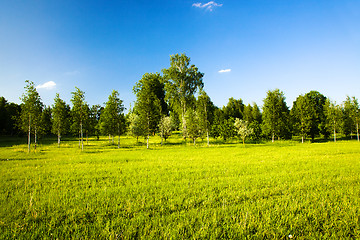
column 148, row 105
column 350, row 116
column 30, row 111
column 183, row 80
column 79, row 113
column 135, row 127
column 243, row 130
column 204, row 109
column 193, row 125
column 46, row 124
column 112, row 116
column 60, row 118
column 275, row 114
column 333, row 116
column 165, row 128
column 302, row 114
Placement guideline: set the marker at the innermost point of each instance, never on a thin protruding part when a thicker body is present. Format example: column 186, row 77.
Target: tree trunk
column 109, row 138
column 194, row 141
column 29, row 135
column 58, row 138
column 357, row 131
column 273, row 137
column 207, row 137
column 302, row 139
column 119, row 141
column 244, row 142
column 147, row 142
column 81, row 134
column 87, row 138
column 161, row 138
column 334, row 132
column 35, row 138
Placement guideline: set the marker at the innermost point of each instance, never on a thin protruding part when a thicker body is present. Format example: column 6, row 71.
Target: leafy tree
column 317, row 102
column 79, row 113
column 302, row 114
column 218, row 119
column 182, row 82
column 31, row 109
column 60, row 118
column 112, row 116
column 165, row 128
column 275, row 115
column 204, row 110
column 350, row 116
column 46, row 124
column 9, row 113
column 148, row 105
column 234, row 109
column 252, row 115
column 94, row 120
column 242, row 128
column 135, row 127
column 193, row 125
column 333, row 116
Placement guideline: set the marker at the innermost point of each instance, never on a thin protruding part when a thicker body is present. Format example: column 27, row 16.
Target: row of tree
column 176, row 100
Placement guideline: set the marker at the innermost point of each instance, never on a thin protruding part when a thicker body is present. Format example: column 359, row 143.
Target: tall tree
column 234, row 109
column 113, row 117
column 46, row 124
column 79, row 113
column 60, row 118
column 30, row 111
column 148, row 105
column 317, row 102
column 193, row 125
column 350, row 116
column 183, row 80
column 302, row 114
column 275, row 115
column 204, row 110
column 135, row 127
column 333, row 116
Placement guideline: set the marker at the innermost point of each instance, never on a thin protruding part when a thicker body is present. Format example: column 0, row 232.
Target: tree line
column 176, row 100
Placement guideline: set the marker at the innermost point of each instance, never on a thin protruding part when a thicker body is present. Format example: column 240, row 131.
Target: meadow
column 281, row 190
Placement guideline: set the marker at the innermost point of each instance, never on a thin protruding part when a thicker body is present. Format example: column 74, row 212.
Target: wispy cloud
column 225, row 70
column 48, row 85
column 208, row 6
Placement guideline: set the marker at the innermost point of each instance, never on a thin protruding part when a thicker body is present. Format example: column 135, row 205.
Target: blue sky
column 98, row 46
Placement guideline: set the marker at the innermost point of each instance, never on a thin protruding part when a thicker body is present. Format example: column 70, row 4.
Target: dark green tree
column 31, row 109
column 275, row 115
column 234, row 109
column 60, row 118
column 182, row 82
column 302, row 114
column 148, row 105
column 79, row 114
column 317, row 102
column 204, row 109
column 350, row 116
column 112, row 117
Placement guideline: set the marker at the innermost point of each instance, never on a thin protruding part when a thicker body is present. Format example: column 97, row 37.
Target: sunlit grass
column 180, row 191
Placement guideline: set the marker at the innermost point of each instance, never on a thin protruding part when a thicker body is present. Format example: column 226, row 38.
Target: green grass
column 179, row 191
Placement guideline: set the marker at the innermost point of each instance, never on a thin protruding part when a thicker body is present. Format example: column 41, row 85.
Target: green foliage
column 9, row 115
column 112, row 117
column 31, row 109
column 182, row 82
column 317, row 102
column 242, row 128
column 275, row 115
column 302, row 114
column 234, row 109
column 165, row 127
column 193, row 125
column 60, row 117
column 79, row 113
column 350, row 116
column 333, row 116
column 264, row 191
column 135, row 126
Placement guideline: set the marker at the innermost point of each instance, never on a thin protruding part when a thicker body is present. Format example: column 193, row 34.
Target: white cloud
column 48, row 85
column 225, row 70
column 208, row 6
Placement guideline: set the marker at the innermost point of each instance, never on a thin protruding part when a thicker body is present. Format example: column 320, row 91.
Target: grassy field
column 276, row 190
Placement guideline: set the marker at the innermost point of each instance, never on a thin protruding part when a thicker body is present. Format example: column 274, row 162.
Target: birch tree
column 182, row 82
column 333, row 116
column 30, row 111
column 60, row 118
column 79, row 113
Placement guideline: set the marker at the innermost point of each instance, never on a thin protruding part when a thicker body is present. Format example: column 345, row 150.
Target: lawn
column 278, row 190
